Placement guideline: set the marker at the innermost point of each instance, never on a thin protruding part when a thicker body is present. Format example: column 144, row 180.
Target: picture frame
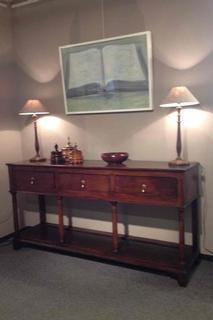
column 108, row 75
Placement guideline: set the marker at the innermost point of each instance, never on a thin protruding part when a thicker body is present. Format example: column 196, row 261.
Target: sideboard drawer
column 33, row 181
column 83, row 182
column 147, row 187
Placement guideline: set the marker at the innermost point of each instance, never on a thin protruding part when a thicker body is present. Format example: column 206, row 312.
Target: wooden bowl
column 114, row 157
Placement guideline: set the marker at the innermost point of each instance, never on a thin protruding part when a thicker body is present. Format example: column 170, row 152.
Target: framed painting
column 108, row 75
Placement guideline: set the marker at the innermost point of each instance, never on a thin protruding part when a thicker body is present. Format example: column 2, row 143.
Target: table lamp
column 34, row 108
column 178, row 98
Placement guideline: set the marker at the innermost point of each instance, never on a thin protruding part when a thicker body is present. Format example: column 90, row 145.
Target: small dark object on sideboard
column 57, row 156
column 114, row 157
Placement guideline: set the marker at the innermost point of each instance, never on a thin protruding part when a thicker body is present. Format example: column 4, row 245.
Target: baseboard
column 7, row 237
column 207, row 257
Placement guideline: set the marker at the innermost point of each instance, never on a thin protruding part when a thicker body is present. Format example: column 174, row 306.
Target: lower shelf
column 143, row 253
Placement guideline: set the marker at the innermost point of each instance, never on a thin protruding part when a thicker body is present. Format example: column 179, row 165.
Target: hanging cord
column 102, row 20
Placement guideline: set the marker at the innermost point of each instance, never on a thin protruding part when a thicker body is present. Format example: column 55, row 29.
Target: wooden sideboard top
column 99, row 164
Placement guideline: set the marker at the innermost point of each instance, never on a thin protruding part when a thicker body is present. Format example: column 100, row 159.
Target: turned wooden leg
column 195, row 227
column 15, row 212
column 42, row 208
column 16, row 242
column 181, row 236
column 182, row 277
column 60, row 219
column 114, row 226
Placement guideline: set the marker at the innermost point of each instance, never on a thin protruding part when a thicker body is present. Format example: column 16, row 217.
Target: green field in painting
column 119, row 101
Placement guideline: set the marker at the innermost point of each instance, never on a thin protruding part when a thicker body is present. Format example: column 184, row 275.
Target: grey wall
column 10, row 137
column 182, row 55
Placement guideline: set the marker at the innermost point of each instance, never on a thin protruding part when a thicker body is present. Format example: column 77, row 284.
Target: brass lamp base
column 37, row 159
column 179, row 162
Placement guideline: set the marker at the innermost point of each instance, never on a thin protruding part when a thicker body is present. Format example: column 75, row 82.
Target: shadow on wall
column 181, row 31
column 70, row 22
column 128, row 214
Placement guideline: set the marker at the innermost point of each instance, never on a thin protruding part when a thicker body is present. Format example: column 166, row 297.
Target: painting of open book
column 109, row 75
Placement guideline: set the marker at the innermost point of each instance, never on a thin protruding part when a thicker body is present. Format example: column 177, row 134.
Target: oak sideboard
column 137, row 182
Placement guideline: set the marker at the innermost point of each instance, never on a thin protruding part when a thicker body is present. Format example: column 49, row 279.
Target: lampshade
column 33, row 107
column 179, row 97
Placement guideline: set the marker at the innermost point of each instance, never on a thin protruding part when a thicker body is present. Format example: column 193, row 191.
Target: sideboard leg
column 42, row 208
column 195, row 227
column 114, row 226
column 15, row 212
column 60, row 219
column 182, row 276
column 181, row 237
column 16, row 243
column 183, row 280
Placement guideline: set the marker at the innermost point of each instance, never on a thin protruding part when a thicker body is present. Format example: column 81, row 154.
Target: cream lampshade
column 34, row 108
column 178, row 98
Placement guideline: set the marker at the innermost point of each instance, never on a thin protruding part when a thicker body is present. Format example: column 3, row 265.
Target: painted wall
column 182, row 55
column 10, row 138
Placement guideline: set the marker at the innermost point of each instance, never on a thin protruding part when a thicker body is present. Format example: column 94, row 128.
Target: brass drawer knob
column 32, row 180
column 143, row 188
column 83, row 183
